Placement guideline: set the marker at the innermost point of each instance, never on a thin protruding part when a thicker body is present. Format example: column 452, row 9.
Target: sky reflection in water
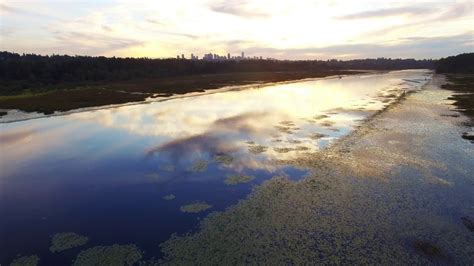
column 103, row 173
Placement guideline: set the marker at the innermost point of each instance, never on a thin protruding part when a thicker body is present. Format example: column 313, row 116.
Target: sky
column 298, row 29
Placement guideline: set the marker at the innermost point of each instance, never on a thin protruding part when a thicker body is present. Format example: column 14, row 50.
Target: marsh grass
column 67, row 96
column 63, row 241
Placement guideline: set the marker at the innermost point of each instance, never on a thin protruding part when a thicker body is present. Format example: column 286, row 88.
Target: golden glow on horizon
column 302, row 29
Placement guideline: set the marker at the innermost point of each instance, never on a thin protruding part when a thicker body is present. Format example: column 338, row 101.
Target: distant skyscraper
column 182, row 56
column 243, row 55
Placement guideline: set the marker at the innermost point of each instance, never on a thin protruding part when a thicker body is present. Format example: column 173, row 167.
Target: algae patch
column 238, row 179
column 224, row 159
column 282, row 149
column 256, row 149
column 26, row 261
column 109, row 255
column 195, row 207
column 316, row 136
column 169, row 197
column 199, row 165
column 63, row 241
column 319, row 117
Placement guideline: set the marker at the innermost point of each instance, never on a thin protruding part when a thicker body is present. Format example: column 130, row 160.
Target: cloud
column 154, row 21
column 457, row 11
column 410, row 47
column 23, row 12
column 178, row 34
column 162, row 29
column 386, row 12
column 237, row 8
column 92, row 43
column 107, row 28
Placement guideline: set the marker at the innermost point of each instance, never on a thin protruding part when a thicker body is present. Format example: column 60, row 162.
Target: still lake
column 104, row 173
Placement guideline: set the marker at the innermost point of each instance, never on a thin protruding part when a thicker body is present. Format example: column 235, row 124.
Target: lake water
column 104, row 173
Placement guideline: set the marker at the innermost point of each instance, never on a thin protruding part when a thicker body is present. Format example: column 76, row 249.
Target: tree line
column 31, row 71
column 462, row 63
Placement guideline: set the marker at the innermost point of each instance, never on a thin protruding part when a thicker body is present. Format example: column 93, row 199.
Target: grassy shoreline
column 95, row 95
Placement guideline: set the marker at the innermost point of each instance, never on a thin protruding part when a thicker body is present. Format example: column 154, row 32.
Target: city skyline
column 217, row 57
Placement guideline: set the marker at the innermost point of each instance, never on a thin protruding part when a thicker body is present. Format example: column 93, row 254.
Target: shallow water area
column 108, row 174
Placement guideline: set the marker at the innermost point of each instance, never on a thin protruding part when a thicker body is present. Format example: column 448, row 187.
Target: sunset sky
column 300, row 29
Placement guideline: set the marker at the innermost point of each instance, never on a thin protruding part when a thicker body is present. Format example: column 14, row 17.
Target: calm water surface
column 104, row 173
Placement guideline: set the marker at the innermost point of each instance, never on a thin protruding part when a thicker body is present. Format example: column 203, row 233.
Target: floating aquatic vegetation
column 224, row 159
column 238, row 179
column 26, row 261
column 319, row 117
column 282, row 149
column 317, row 136
column 198, row 206
column 109, row 255
column 294, row 141
column 287, row 123
column 168, row 167
column 169, row 197
column 284, row 129
column 250, row 142
column 327, row 123
column 199, row 165
column 63, row 241
column 277, row 140
column 256, row 149
column 301, row 148
column 359, row 204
